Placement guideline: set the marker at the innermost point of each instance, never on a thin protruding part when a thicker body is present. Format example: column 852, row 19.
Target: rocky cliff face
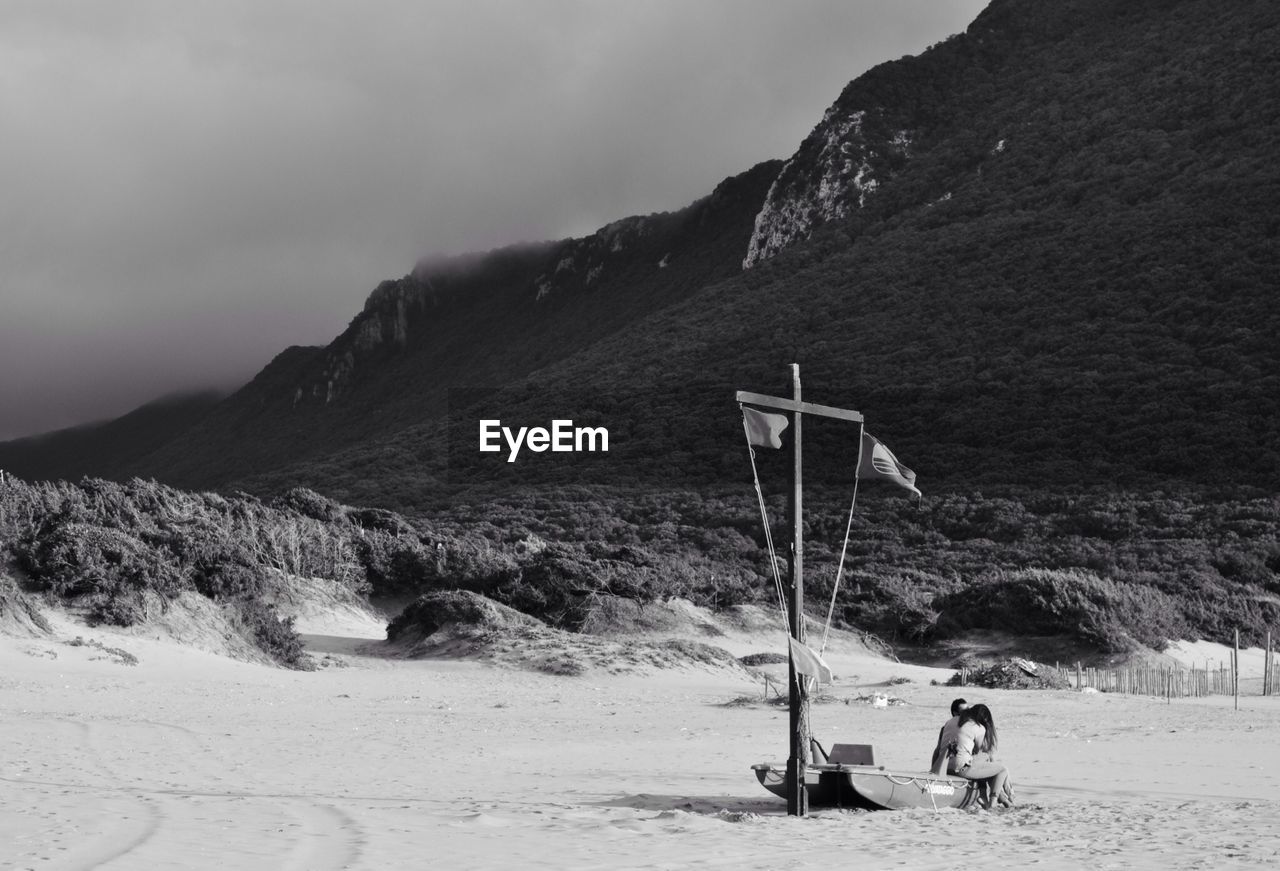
column 624, row 269
column 382, row 327
column 582, row 262
column 893, row 115
column 848, row 156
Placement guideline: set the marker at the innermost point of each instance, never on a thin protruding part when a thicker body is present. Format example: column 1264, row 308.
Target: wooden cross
column 797, row 797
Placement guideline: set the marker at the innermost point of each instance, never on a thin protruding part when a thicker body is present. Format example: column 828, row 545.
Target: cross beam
column 797, row 760
column 796, row 405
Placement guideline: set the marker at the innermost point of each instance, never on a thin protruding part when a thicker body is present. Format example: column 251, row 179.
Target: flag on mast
column 764, row 429
column 809, row 662
column 879, row 463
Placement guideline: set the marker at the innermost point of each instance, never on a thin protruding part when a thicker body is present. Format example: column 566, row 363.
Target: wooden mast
column 798, row 757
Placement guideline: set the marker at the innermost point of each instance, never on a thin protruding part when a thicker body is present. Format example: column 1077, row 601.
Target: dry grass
column 114, row 654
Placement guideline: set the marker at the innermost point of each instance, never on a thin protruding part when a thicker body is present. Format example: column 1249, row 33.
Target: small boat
column 859, row 783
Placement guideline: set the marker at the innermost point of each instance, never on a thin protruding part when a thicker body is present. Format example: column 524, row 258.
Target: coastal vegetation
column 1111, row 572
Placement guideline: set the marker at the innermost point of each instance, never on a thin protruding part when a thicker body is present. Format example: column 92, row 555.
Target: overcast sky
column 188, row 188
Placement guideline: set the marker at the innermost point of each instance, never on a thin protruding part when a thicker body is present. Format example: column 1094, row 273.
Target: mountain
column 1043, row 252
column 106, row 448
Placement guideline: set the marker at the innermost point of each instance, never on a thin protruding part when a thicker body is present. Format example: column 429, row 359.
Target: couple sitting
column 969, row 733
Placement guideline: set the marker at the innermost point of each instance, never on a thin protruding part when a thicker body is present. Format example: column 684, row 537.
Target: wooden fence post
column 1266, row 668
column 1235, row 671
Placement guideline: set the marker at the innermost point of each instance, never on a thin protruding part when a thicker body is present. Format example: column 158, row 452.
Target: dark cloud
column 190, row 187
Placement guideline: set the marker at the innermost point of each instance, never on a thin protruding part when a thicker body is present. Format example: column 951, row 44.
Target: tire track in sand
column 328, row 838
column 214, row 803
column 126, row 793
column 71, row 826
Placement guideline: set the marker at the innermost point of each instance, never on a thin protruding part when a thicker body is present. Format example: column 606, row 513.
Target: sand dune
column 191, row 760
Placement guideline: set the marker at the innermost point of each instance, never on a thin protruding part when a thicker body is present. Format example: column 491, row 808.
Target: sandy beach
column 192, row 760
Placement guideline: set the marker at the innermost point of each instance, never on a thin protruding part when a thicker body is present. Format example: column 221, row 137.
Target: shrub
column 380, row 520
column 756, row 659
column 221, row 579
column 107, row 568
column 553, row 586
column 272, row 635
column 309, row 503
column 1113, row 616
column 430, row 612
column 898, row 606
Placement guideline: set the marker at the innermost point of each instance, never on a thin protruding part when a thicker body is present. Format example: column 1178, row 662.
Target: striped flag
column 879, row 463
column 764, row 429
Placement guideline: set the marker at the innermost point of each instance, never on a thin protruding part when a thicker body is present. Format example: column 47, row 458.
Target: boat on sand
column 849, row 778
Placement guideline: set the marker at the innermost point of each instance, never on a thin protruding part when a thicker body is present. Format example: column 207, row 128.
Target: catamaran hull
column 872, row 788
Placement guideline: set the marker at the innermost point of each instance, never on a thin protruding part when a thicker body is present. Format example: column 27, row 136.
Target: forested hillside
column 1070, row 282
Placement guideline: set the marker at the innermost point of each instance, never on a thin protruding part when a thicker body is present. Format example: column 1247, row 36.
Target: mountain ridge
column 473, row 318
column 1060, row 275
column 107, row 447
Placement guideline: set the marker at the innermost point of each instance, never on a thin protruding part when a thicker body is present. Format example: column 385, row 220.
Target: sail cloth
column 764, row 429
column 879, row 463
column 808, row 662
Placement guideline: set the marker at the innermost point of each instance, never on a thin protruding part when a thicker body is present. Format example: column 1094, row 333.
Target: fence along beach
column 1218, row 676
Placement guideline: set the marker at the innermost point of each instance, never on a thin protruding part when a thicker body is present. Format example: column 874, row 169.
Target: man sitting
column 946, row 738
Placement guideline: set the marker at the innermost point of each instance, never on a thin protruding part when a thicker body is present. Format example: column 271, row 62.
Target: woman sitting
column 977, row 734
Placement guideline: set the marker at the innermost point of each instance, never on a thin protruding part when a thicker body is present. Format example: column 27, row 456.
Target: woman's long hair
column 981, row 715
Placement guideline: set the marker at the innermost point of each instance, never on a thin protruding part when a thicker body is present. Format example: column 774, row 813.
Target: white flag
column 764, row 429
column 808, row 662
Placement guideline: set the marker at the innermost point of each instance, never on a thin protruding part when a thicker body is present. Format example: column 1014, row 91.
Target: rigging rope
column 768, row 534
column 779, row 590
column 835, row 588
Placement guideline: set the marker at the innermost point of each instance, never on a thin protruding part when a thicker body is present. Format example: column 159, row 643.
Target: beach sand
column 192, row 760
